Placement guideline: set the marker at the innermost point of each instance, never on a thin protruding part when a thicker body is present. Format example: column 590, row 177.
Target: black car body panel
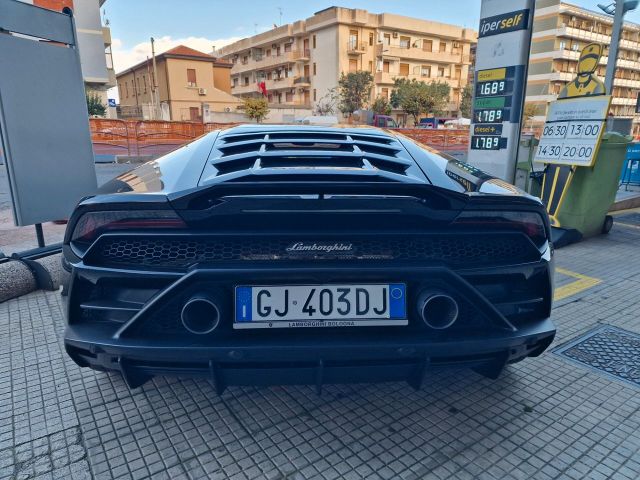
column 228, row 210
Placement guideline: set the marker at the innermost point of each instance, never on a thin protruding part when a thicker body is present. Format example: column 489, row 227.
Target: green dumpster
column 592, row 190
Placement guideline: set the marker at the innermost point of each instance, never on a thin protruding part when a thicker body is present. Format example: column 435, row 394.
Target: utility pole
column 613, row 48
column 155, row 82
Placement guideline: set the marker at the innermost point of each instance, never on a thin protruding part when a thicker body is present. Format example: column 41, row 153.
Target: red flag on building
column 262, row 87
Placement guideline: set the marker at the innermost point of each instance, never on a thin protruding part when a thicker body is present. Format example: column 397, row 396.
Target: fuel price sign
column 572, row 131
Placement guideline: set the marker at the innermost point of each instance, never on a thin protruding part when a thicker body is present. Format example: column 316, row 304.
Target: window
column 126, row 89
column 427, row 45
column 268, row 52
column 245, row 60
column 315, row 96
column 315, row 69
column 425, row 71
column 144, row 82
column 314, row 41
column 287, row 47
column 387, row 39
column 138, row 89
column 385, row 66
column 371, row 39
column 404, row 69
column 353, row 39
column 371, row 66
column 353, row 65
column 405, row 42
column 443, row 47
column 441, row 71
column 235, row 81
column 278, row 52
column 289, row 97
column 194, row 114
column 191, row 77
column 385, row 93
column 458, row 73
column 563, row 45
column 246, row 81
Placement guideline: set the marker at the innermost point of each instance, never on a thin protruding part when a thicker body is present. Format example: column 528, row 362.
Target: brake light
column 529, row 223
column 92, row 224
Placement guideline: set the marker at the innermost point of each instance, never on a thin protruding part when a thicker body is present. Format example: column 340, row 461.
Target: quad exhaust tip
column 438, row 310
column 200, row 315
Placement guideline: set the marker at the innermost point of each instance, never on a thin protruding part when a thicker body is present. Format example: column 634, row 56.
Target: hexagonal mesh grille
column 184, row 251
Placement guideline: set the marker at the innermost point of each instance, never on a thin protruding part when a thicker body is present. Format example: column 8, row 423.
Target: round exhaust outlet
column 438, row 310
column 200, row 315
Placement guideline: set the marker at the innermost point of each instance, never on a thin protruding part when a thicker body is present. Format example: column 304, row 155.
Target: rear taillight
column 529, row 223
column 92, row 224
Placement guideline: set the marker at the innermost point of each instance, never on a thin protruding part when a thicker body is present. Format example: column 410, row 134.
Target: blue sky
column 203, row 23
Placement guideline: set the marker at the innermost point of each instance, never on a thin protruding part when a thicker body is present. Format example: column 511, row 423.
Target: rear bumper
column 403, row 358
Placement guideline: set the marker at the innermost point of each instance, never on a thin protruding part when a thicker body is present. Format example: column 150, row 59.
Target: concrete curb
column 627, row 203
column 16, row 279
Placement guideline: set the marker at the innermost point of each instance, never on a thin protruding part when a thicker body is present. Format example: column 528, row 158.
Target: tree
column 416, row 98
column 326, row 105
column 380, row 106
column 465, row 101
column 355, row 90
column 95, row 105
column 256, row 108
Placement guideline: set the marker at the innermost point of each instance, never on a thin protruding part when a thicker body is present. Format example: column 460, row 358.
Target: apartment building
column 192, row 86
column 560, row 31
column 94, row 42
column 300, row 62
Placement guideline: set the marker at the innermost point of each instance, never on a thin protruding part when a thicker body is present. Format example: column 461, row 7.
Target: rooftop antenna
column 280, row 10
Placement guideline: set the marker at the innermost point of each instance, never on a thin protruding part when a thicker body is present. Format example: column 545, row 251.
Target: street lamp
column 617, row 9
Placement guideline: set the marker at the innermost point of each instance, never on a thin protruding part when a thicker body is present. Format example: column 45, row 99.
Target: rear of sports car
column 299, row 255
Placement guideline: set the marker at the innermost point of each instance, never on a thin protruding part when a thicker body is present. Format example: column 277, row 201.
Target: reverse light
column 92, row 224
column 529, row 223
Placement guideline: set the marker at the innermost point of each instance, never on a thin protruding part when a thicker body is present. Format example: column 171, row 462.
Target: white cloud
column 124, row 58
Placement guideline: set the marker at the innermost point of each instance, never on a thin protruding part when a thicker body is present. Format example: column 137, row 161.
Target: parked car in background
column 297, row 254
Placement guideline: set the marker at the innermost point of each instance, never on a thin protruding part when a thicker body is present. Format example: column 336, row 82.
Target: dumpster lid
column 615, row 137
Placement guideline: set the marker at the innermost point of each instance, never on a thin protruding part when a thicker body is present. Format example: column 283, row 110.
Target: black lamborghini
column 295, row 254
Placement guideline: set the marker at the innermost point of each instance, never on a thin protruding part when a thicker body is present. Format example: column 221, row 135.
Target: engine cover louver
column 309, row 155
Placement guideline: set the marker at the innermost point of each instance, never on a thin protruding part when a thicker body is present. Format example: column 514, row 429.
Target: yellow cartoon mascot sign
column 573, row 129
column 586, row 83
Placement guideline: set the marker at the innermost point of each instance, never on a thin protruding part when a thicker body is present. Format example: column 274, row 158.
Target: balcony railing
column 303, row 54
column 421, row 55
column 356, row 47
column 302, row 81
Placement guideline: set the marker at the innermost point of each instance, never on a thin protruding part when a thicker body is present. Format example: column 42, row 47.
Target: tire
column 608, row 223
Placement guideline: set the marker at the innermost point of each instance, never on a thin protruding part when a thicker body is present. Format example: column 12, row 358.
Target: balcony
column 356, row 48
column 623, row 101
column 279, row 83
column 384, row 78
column 302, row 81
column 417, row 54
column 262, row 62
column 626, row 82
column 302, row 55
column 388, row 78
column 106, row 36
column 244, row 89
column 291, row 104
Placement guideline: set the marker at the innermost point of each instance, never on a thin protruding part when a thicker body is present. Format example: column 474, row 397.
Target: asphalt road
column 15, row 239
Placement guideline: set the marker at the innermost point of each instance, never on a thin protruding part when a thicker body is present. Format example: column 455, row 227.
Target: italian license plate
column 299, row 306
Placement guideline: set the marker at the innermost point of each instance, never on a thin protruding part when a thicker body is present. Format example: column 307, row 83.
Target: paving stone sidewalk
column 545, row 418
